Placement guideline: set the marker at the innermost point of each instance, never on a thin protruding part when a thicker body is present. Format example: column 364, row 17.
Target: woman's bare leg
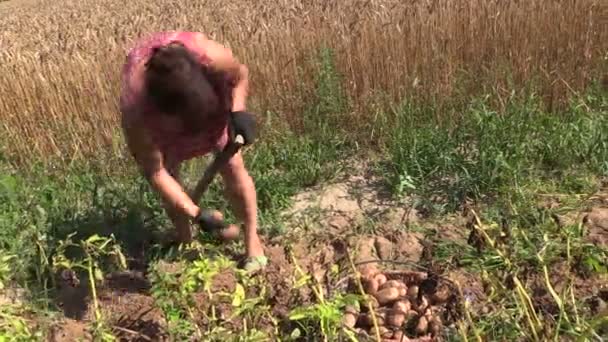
column 240, row 191
column 181, row 222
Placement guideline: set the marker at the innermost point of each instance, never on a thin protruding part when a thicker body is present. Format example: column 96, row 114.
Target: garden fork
column 220, row 160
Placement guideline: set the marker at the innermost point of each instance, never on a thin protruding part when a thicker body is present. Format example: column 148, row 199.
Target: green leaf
column 297, row 316
column 94, row 238
column 335, row 269
column 300, row 313
column 98, row 274
column 239, row 295
column 296, row 333
column 122, row 259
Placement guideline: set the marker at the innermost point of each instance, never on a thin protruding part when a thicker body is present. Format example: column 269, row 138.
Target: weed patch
column 486, row 154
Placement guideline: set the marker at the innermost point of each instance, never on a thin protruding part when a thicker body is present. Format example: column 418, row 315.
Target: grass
column 487, row 154
column 462, row 112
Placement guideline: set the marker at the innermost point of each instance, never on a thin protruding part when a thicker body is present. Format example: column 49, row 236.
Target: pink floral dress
column 166, row 131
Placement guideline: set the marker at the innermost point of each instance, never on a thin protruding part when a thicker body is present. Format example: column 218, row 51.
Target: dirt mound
column 345, row 238
column 596, row 222
column 68, row 330
column 356, row 199
column 299, row 270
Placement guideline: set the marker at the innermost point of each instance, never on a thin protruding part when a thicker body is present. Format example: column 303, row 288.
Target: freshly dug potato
column 422, row 326
column 349, row 320
column 351, row 309
column 403, row 292
column 411, row 314
column 395, row 319
column 372, row 301
column 422, row 305
column 387, row 295
column 398, row 335
column 441, row 295
column 435, row 325
column 381, row 315
column 368, row 271
column 393, row 283
column 402, row 306
column 412, row 292
column 380, row 279
column 362, row 334
column 370, row 285
column 385, row 332
column 413, row 277
column 365, row 320
column 408, row 277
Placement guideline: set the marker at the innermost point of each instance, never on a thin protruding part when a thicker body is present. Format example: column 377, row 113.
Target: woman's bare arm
column 224, row 61
column 150, row 160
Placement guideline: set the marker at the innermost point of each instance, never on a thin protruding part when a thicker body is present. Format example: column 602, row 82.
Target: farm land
column 425, row 171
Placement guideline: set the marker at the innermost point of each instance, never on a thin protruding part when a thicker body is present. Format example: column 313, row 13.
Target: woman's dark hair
column 177, row 84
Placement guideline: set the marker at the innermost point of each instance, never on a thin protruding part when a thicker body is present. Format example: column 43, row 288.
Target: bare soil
column 327, row 227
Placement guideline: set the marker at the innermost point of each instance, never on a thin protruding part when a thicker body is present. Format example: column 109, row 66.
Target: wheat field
column 60, row 61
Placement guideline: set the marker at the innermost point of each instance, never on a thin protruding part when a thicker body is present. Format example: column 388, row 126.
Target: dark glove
column 242, row 123
column 208, row 222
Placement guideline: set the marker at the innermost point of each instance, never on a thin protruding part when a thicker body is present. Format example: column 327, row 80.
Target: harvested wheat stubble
column 407, row 305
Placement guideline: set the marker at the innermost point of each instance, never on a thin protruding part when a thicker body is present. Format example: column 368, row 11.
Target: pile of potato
column 400, row 309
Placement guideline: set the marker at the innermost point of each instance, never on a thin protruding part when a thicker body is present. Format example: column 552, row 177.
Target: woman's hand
column 212, row 221
column 244, row 124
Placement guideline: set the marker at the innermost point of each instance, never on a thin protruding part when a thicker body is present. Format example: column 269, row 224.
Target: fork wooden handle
column 220, row 160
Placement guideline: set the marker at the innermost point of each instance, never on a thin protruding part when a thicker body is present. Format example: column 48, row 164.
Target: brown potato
column 441, row 295
column 387, row 295
column 351, row 309
column 380, row 318
column 368, row 271
column 398, row 335
column 362, row 334
column 385, row 332
column 373, row 301
column 402, row 306
column 395, row 319
column 393, row 283
column 381, row 315
column 435, row 326
column 414, row 277
column 366, row 320
column 380, row 279
column 370, row 285
column 349, row 320
column 412, row 292
column 403, row 292
column 422, row 305
column 411, row 314
column 422, row 326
